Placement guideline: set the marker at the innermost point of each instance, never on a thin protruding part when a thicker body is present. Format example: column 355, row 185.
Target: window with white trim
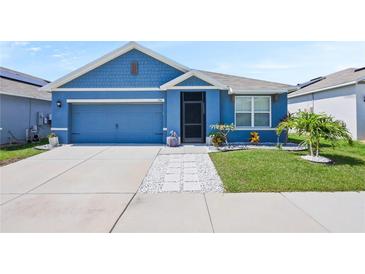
column 253, row 111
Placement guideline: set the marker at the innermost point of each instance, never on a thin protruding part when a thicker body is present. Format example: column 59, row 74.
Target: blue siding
column 117, row 73
column 212, row 107
column 173, row 111
column 278, row 112
column 193, row 81
column 62, row 116
column 219, row 109
column 18, row 113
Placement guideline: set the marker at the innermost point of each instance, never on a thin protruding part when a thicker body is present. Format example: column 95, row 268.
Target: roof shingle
column 18, row 85
column 239, row 83
column 338, row 78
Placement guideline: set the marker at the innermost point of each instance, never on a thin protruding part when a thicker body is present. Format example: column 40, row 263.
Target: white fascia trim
column 291, row 95
column 59, row 128
column 22, row 96
column 107, row 89
column 115, row 101
column 202, row 76
column 193, row 87
column 108, row 57
column 257, row 91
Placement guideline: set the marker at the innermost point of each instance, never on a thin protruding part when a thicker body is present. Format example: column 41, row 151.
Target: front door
column 193, row 117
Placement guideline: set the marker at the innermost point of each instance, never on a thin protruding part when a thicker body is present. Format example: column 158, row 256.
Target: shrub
column 221, row 131
column 217, row 138
column 255, row 137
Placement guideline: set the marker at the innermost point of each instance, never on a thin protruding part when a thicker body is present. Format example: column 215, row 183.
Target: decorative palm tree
column 314, row 128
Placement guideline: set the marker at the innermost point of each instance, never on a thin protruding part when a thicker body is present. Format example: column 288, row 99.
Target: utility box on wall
column 40, row 118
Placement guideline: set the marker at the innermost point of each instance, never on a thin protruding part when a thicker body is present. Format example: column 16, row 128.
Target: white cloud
column 60, row 55
column 34, row 49
column 20, row 43
column 66, row 60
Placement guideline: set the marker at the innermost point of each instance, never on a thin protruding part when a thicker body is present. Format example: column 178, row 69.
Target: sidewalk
column 245, row 212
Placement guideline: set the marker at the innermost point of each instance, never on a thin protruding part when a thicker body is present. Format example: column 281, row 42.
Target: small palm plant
column 314, row 128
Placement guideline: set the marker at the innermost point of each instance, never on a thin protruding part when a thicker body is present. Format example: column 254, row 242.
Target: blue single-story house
column 135, row 95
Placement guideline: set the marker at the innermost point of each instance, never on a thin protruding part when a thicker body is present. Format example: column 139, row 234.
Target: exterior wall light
column 275, row 97
column 59, row 103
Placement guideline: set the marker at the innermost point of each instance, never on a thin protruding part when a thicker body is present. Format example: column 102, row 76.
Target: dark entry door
column 193, row 117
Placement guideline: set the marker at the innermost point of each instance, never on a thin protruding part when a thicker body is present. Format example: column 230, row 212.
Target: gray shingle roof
column 239, row 83
column 338, row 78
column 22, row 77
column 20, row 87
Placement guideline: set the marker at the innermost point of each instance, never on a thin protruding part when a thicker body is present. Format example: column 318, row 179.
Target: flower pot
column 53, row 141
column 172, row 141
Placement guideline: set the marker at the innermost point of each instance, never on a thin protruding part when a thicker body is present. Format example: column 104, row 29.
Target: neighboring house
column 134, row 95
column 340, row 94
column 22, row 107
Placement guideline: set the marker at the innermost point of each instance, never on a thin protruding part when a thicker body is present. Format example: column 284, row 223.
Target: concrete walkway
column 94, row 189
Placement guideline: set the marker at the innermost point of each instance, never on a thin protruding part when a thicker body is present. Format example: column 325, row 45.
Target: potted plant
column 173, row 139
column 53, row 140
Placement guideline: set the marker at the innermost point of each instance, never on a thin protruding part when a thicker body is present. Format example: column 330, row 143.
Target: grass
column 15, row 153
column 278, row 171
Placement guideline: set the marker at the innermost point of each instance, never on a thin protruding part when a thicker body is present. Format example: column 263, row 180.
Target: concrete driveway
column 72, row 188
column 93, row 189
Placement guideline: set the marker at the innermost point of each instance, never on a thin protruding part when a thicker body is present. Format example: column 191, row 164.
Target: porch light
column 275, row 97
column 59, row 103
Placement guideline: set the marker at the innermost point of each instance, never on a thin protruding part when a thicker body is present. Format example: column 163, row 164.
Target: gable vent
column 134, row 68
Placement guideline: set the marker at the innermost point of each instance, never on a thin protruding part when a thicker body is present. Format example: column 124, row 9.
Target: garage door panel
column 117, row 123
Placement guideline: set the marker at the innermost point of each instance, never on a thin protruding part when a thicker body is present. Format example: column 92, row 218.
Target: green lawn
column 17, row 152
column 276, row 170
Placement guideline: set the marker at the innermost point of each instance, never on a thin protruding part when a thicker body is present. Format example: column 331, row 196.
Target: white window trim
column 252, row 112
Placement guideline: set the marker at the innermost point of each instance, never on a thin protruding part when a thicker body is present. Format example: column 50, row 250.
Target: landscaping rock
column 317, row 159
column 182, row 172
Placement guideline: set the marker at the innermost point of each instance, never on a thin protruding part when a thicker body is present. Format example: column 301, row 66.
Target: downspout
column 30, row 112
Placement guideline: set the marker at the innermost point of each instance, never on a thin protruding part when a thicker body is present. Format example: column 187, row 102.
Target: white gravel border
column 317, row 159
column 209, row 179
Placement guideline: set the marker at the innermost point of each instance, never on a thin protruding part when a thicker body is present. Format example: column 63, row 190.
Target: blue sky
column 286, row 62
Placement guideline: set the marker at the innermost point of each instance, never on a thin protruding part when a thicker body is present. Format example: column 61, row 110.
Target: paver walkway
column 182, row 169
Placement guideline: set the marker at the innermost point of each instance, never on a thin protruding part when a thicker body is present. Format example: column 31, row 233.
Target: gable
column 193, row 81
column 117, row 73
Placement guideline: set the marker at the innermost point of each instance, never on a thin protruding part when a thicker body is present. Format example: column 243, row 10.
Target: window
column 134, row 68
column 253, row 111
